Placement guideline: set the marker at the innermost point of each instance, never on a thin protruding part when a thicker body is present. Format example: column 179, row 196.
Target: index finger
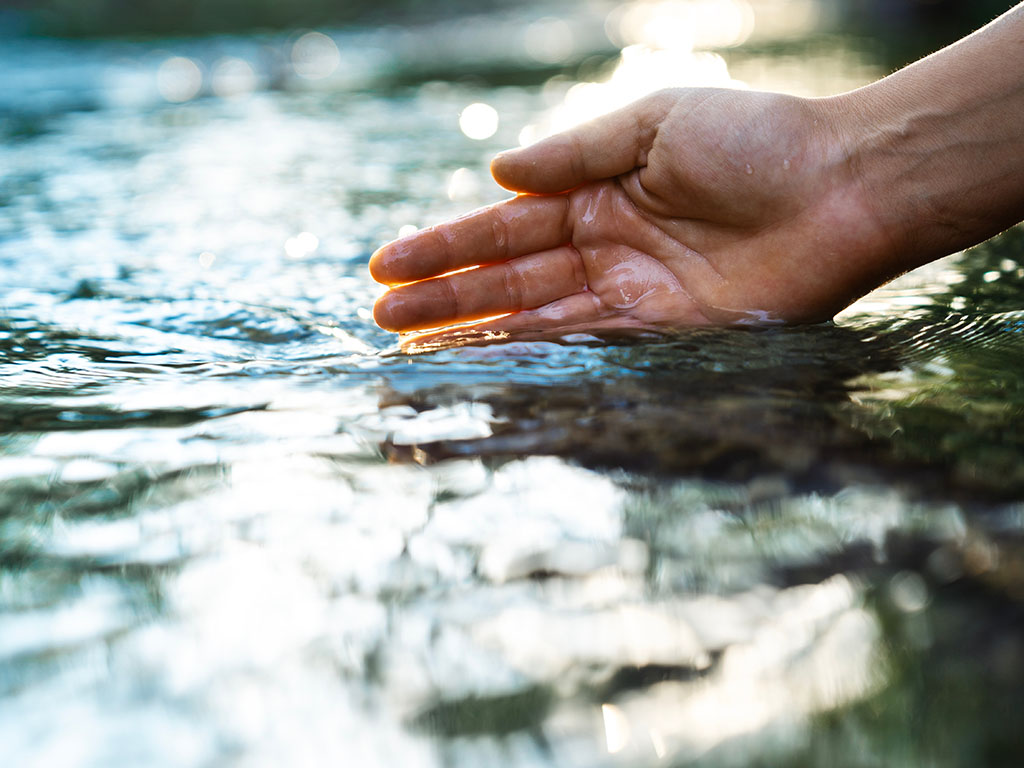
column 490, row 235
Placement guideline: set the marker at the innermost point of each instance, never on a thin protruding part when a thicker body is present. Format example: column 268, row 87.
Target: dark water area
column 240, row 526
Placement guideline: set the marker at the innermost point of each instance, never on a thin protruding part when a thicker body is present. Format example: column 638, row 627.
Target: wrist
column 882, row 151
column 936, row 148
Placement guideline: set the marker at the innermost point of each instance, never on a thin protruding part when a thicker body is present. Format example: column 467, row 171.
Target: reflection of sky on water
column 239, row 526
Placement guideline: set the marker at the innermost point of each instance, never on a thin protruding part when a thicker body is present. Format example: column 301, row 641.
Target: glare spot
column 364, row 314
column 908, row 592
column 301, row 246
column 689, row 24
column 990, row 277
column 407, row 229
column 232, row 78
column 549, row 41
column 479, row 121
column 616, row 728
column 528, row 135
column 641, row 70
column 658, row 742
column 179, row 79
column 86, row 471
column 463, row 184
column 944, row 565
column 315, row 56
column 206, row 259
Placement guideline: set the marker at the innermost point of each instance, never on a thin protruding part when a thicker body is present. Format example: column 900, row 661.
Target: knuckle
column 577, row 156
column 512, row 287
column 449, row 297
column 575, row 264
column 500, row 234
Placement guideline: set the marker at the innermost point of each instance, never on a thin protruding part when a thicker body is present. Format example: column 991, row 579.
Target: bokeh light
column 232, row 78
column 315, row 56
column 179, row 79
column 549, row 40
column 641, row 70
column 693, row 24
column 463, row 184
column 479, row 121
column 301, row 246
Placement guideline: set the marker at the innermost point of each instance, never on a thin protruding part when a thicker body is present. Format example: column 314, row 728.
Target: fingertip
column 386, row 263
column 378, row 265
column 502, row 167
column 383, row 314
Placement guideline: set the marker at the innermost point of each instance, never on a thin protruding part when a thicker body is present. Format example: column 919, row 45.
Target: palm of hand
column 706, row 223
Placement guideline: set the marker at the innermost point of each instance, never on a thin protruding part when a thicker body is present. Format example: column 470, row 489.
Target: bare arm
column 939, row 145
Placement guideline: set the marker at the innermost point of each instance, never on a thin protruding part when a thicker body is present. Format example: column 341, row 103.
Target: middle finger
column 522, row 283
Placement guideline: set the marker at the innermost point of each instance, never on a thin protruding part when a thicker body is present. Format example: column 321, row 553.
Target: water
column 239, row 527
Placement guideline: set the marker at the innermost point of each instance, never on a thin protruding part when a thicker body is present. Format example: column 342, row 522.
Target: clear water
column 239, row 527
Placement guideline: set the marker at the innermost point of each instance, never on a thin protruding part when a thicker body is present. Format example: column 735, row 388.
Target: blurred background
column 934, row 20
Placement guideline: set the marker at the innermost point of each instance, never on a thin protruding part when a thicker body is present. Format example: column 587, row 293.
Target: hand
column 688, row 207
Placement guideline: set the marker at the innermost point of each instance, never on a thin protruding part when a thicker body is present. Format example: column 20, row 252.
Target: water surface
column 239, row 527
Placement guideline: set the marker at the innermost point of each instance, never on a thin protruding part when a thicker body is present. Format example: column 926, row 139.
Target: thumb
column 607, row 146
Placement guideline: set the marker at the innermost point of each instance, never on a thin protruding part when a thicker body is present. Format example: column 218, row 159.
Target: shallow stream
column 238, row 526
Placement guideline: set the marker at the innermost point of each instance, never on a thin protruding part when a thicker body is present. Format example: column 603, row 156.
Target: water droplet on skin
column 750, row 169
column 785, row 164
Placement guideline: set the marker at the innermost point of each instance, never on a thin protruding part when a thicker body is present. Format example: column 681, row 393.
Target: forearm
column 939, row 146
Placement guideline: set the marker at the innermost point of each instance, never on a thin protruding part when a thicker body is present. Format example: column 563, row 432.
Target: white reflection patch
column 232, row 78
column 549, row 41
column 479, row 121
column 616, row 728
column 179, row 79
column 463, row 185
column 315, row 56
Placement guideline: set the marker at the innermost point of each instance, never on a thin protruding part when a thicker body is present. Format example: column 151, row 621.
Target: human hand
column 688, row 207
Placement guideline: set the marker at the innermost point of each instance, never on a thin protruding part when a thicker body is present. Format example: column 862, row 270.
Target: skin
column 706, row 206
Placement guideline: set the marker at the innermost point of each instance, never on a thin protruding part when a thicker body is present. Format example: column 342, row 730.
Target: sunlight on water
column 315, row 56
column 238, row 524
column 479, row 121
column 692, row 24
column 233, row 78
column 179, row 79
